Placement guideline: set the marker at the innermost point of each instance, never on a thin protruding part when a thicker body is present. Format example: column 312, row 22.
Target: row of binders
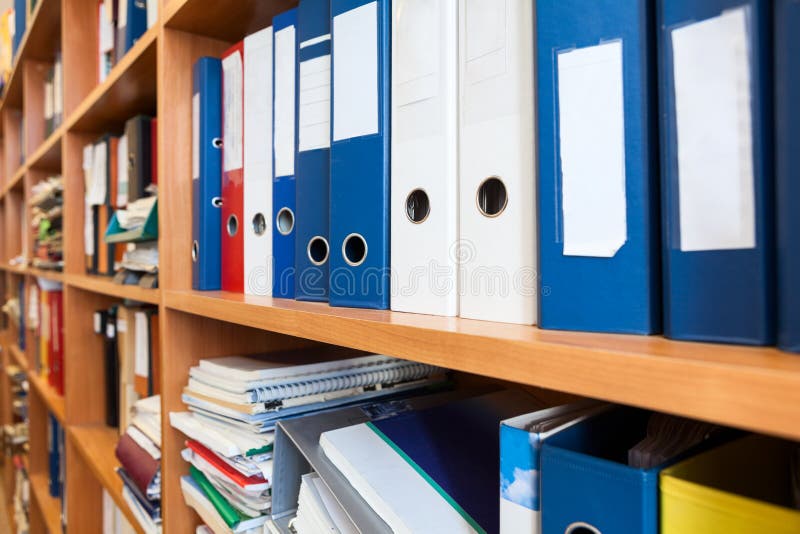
column 120, row 23
column 45, row 319
column 638, row 180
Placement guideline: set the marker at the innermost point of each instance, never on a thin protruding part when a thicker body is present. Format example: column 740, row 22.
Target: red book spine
column 56, row 377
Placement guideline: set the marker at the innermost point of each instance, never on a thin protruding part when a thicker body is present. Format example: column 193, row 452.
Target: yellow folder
column 743, row 487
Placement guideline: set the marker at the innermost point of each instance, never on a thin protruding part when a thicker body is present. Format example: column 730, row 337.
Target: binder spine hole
column 217, row 142
column 259, row 224
column 195, row 250
column 216, row 202
column 581, row 528
column 318, row 250
column 354, row 249
column 418, row 206
column 284, row 221
column 492, row 197
column 232, row 225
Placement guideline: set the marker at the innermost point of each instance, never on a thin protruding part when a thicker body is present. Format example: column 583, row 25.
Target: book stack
column 139, row 452
column 234, row 403
column 47, row 210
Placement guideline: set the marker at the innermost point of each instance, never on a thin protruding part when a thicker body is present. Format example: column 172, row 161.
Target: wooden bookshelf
column 750, row 388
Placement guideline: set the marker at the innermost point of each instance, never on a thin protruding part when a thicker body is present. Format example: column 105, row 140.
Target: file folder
column 20, row 10
column 600, row 256
column 206, row 177
column 131, row 24
column 497, row 197
column 360, row 160
column 257, row 192
column 312, row 245
column 424, row 182
column 283, row 185
column 787, row 171
column 742, row 487
column 138, row 131
column 232, row 169
column 717, row 190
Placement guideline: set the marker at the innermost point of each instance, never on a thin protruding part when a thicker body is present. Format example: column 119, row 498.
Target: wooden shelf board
column 752, row 388
column 48, row 155
column 129, row 89
column 53, row 401
column 48, row 274
column 37, row 43
column 242, row 17
column 16, row 181
column 97, row 443
column 19, row 356
column 104, row 285
column 50, row 506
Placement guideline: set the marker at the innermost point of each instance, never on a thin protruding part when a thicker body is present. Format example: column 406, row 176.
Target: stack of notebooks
column 47, row 210
column 120, row 180
column 139, row 452
column 318, row 510
column 234, row 404
column 120, row 24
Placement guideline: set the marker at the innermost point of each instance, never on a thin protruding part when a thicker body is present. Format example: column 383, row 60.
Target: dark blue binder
column 787, row 172
column 719, row 295
column 53, row 457
column 207, row 174
column 312, row 245
column 136, row 25
column 360, row 164
column 19, row 26
column 283, row 185
column 621, row 293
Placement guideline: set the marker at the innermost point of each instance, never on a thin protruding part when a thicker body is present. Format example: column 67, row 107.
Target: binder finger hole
column 195, row 250
column 492, row 197
column 581, row 528
column 284, row 221
column 259, row 224
column 232, row 225
column 216, row 202
column 216, row 142
column 318, row 250
column 354, row 249
column 418, row 206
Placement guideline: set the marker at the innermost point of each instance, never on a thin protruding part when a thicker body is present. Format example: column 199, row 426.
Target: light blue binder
column 360, row 152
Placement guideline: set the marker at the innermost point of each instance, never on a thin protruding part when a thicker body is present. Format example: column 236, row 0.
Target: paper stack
column 234, row 404
column 139, row 452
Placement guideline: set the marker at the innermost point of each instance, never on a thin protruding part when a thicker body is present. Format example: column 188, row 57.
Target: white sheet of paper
column 315, row 104
column 355, row 72
column 592, row 139
column 715, row 139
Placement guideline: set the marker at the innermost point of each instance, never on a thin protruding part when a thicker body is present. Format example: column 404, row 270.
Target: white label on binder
column 284, row 101
column 122, row 171
column 592, row 143
column 141, row 345
column 196, row 136
column 232, row 112
column 486, row 34
column 418, row 50
column 355, row 72
column 315, row 104
column 714, row 129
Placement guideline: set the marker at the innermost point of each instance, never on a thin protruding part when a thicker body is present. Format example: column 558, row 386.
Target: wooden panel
column 11, row 142
column 104, row 285
column 84, row 491
column 49, row 507
column 34, row 74
column 96, row 446
column 16, row 228
column 130, row 89
column 79, row 29
column 53, row 401
column 752, row 388
column 38, row 435
column 241, row 17
column 189, row 340
column 48, row 156
column 178, row 52
column 17, row 356
column 47, row 274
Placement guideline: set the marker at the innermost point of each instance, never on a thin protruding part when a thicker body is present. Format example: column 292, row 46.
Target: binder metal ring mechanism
column 492, row 197
column 195, row 250
column 354, row 249
column 233, row 225
column 284, row 221
column 418, row 206
column 259, row 224
column 580, row 527
column 318, row 250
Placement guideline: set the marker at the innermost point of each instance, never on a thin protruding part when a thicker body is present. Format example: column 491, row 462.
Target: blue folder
column 621, row 293
column 787, row 145
column 136, row 25
column 719, row 295
column 283, row 187
column 207, row 179
column 360, row 164
column 19, row 26
column 312, row 247
column 53, row 457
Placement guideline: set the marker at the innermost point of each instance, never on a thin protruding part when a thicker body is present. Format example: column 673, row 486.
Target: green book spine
column 229, row 514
